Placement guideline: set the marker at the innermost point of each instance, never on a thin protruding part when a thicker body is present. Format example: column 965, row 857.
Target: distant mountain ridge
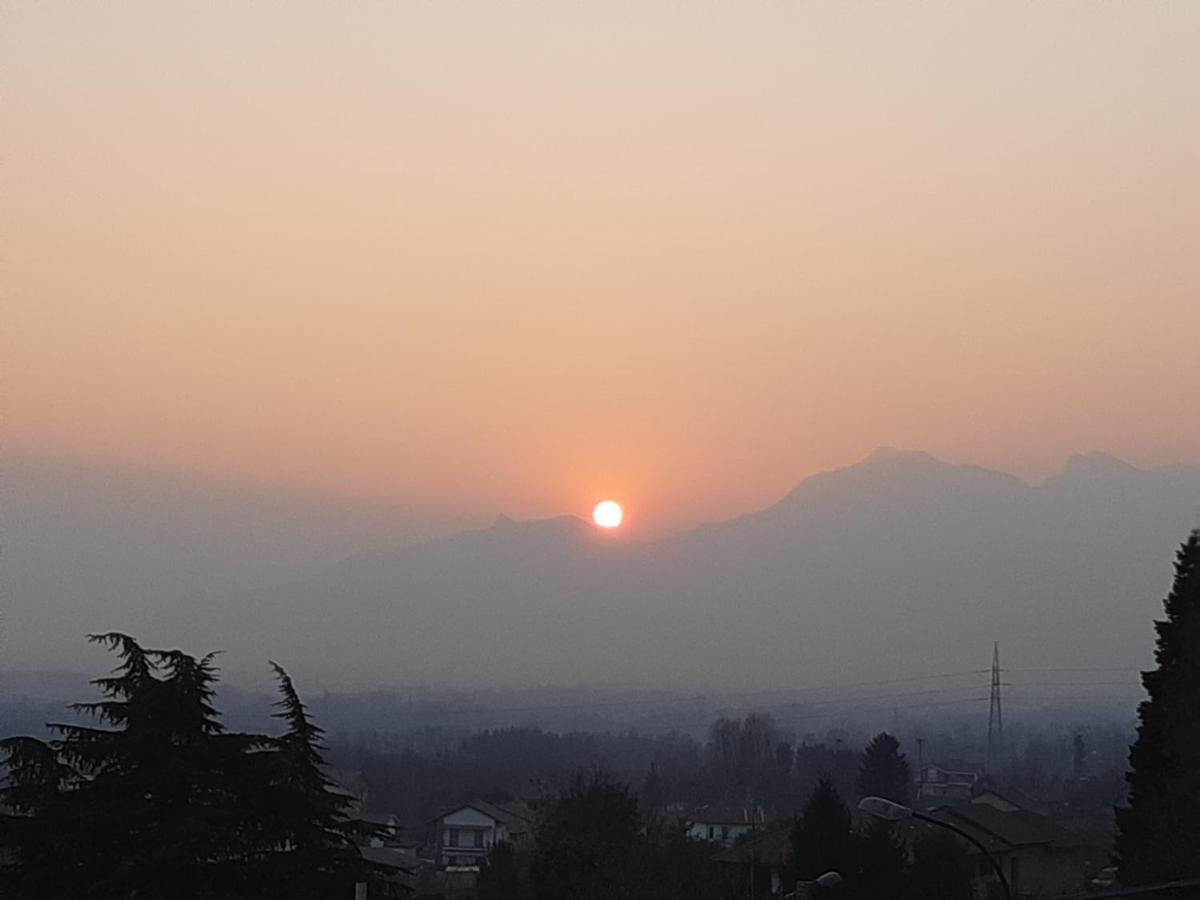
column 897, row 565
column 887, row 566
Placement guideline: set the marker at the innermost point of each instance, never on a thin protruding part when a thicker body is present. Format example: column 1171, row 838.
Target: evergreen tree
column 941, row 867
column 310, row 821
column 155, row 808
column 165, row 803
column 1159, row 832
column 500, row 875
column 37, row 831
column 821, row 836
column 883, row 771
column 588, row 843
column 882, row 861
column 675, row 865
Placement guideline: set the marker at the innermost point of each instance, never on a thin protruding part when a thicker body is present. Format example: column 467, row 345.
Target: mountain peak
column 568, row 524
column 894, row 454
column 1096, row 465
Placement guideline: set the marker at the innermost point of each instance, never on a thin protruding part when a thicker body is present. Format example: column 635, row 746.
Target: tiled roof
column 506, row 815
column 725, row 815
column 770, row 847
column 999, row 830
column 509, row 818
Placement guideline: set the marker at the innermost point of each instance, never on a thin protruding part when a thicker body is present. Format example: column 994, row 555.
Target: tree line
column 595, row 844
column 743, row 761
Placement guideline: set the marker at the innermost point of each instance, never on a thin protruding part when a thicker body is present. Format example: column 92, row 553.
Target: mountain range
column 899, row 565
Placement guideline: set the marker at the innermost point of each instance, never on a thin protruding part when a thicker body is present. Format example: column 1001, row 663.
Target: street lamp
column 828, row 880
column 893, row 812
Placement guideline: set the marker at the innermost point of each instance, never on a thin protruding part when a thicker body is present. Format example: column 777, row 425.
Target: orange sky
column 491, row 257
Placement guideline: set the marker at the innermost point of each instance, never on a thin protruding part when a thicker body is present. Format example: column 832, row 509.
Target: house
column 463, row 836
column 723, row 824
column 756, row 866
column 395, row 868
column 1038, row 857
column 946, row 784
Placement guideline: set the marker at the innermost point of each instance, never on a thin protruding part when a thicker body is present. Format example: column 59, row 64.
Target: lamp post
column 893, row 812
column 828, row 880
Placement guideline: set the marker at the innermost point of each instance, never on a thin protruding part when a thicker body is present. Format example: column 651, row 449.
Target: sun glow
column 608, row 514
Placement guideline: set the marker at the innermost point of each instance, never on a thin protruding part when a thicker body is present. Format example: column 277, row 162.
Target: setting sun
column 608, row 514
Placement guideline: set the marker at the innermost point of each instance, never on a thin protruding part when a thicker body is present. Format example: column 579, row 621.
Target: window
column 724, row 832
column 452, row 837
column 710, row 832
column 479, row 838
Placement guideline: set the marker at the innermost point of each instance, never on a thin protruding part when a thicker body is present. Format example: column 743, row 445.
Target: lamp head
column 881, row 808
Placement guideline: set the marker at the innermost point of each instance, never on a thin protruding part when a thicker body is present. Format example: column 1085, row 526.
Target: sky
column 472, row 258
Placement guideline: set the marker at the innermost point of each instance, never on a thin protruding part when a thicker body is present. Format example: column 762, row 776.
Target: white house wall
column 467, row 818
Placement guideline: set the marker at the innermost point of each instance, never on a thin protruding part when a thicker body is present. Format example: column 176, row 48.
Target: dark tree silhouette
column 500, row 874
column 881, row 861
column 588, row 843
column 744, row 758
column 38, row 832
column 154, row 806
column 1159, row 832
column 674, row 865
column 310, row 814
column 883, row 771
column 941, row 868
column 652, row 791
column 165, row 803
column 821, row 839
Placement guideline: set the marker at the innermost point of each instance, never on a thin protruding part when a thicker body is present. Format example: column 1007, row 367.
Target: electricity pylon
column 995, row 737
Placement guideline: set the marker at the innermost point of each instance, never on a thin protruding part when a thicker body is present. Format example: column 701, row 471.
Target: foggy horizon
column 266, row 556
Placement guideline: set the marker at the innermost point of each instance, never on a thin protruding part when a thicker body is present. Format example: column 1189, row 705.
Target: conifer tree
column 36, row 828
column 941, row 867
column 882, row 861
column 588, row 843
column 821, row 836
column 310, row 815
column 883, row 771
column 157, row 800
column 1158, row 836
column 500, row 875
column 145, row 805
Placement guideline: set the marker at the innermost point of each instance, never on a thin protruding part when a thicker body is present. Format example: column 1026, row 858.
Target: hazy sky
column 513, row 256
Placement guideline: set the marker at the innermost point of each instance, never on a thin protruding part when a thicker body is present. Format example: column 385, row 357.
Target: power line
column 1058, row 684
column 906, row 706
column 691, row 699
column 1082, row 669
column 892, row 681
column 799, row 705
column 1026, row 702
